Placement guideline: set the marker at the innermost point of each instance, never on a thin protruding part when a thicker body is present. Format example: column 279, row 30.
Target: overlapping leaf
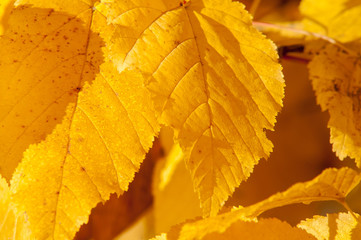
column 338, row 226
column 214, row 78
column 331, row 184
column 171, row 206
column 5, row 9
column 339, row 20
column 42, row 68
column 336, row 79
column 13, row 225
column 272, row 229
column 100, row 124
column 119, row 213
column 335, row 70
column 253, row 230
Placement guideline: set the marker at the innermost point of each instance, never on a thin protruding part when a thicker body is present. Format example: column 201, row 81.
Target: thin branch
column 297, row 58
column 261, row 26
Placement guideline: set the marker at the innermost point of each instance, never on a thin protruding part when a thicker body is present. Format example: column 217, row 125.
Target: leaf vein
column 237, row 130
column 189, row 115
column 104, row 143
column 177, row 84
column 86, row 173
column 125, row 110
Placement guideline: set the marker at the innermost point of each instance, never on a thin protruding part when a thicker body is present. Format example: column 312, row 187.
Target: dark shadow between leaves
column 109, row 219
column 332, row 226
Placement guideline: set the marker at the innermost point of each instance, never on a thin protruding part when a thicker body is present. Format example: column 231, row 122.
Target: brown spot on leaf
column 50, row 12
column 52, row 60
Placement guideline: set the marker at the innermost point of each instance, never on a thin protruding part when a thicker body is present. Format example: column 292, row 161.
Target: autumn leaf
column 43, row 58
column 301, row 149
column 162, row 236
column 339, row 20
column 335, row 70
column 253, row 230
column 85, row 85
column 5, row 9
column 262, row 229
column 97, row 124
column 335, row 76
column 13, row 225
column 118, row 214
column 213, row 77
column 171, row 176
column 331, row 184
column 337, row 226
column 283, row 34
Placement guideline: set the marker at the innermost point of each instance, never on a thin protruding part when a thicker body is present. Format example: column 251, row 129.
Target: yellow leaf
column 5, row 9
column 141, row 229
column 283, row 34
column 163, row 236
column 336, row 77
column 85, row 159
column 300, row 135
column 339, row 20
column 338, row 226
column 272, row 229
column 174, row 198
column 252, row 230
column 105, row 122
column 331, row 184
column 118, row 213
column 335, row 70
column 214, row 78
column 46, row 59
column 12, row 225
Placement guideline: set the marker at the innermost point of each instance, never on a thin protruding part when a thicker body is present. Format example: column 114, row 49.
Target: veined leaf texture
column 93, row 108
column 335, row 71
column 89, row 126
column 331, row 184
column 12, row 224
column 85, row 86
column 254, row 230
column 213, row 77
column 338, row 226
column 99, row 123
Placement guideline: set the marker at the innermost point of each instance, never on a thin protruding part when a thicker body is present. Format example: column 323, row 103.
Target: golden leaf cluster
column 86, row 86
